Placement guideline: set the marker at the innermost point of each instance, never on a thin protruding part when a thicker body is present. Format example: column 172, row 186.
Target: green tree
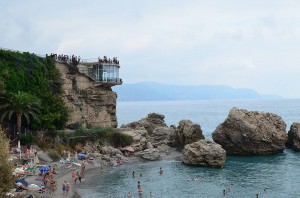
column 20, row 103
column 6, row 167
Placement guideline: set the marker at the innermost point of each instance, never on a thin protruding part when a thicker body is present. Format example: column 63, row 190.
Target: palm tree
column 20, row 103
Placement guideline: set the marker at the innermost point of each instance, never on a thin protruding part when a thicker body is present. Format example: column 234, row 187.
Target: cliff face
column 89, row 104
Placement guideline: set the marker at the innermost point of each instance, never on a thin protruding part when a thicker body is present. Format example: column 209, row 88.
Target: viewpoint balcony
column 103, row 71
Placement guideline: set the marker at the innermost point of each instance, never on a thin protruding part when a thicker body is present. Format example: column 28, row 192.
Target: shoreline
column 73, row 193
column 133, row 160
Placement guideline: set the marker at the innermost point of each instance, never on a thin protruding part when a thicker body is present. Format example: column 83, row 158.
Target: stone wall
column 88, row 104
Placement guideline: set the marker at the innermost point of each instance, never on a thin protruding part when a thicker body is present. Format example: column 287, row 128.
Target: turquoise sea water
column 241, row 177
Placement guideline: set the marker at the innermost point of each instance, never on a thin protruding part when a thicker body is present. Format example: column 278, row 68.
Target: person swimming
column 129, row 194
column 161, row 170
column 140, row 190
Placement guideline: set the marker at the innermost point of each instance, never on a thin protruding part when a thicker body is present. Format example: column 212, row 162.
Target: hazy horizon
column 242, row 44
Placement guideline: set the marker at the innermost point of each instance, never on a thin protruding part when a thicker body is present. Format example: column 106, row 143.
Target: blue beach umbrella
column 81, row 155
column 45, row 168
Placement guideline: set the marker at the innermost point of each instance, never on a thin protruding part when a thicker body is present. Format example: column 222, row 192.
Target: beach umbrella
column 45, row 168
column 81, row 155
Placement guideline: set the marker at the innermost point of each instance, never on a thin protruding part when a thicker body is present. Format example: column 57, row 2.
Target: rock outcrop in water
column 294, row 137
column 151, row 136
column 187, row 132
column 251, row 133
column 153, row 133
column 204, row 153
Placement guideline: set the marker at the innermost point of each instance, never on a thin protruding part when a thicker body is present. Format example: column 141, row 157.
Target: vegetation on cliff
column 38, row 77
column 21, row 104
column 6, row 167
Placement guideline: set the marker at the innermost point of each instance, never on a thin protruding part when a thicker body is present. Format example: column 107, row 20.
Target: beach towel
column 22, row 181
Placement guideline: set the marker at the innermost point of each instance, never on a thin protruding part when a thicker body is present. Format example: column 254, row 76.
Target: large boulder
column 149, row 154
column 251, row 133
column 204, row 153
column 152, row 121
column 43, row 156
column 162, row 134
column 187, row 132
column 294, row 137
column 136, row 135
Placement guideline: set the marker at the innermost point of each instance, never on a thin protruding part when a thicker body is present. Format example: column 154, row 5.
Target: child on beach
column 64, row 187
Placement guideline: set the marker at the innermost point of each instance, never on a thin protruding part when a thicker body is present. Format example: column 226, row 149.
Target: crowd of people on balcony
column 65, row 58
column 108, row 60
column 73, row 58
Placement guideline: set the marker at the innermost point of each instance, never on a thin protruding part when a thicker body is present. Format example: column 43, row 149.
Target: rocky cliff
column 88, row 102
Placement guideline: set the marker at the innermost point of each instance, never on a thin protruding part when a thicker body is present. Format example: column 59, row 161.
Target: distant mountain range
column 151, row 91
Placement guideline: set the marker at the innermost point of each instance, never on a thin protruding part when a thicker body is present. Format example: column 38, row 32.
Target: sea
column 272, row 176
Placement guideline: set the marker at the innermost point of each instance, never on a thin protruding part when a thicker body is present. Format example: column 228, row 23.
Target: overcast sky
column 243, row 44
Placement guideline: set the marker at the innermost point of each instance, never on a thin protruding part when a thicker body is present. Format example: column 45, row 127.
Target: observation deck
column 103, row 71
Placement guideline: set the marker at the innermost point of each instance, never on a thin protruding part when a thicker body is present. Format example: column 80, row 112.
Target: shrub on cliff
column 118, row 139
column 6, row 167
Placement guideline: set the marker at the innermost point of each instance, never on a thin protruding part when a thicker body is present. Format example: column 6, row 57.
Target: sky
column 242, row 44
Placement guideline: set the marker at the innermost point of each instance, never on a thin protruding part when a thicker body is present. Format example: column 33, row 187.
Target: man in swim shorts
column 64, row 187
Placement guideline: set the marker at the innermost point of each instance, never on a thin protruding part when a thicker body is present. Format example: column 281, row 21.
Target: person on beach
column 64, row 185
column 73, row 175
column 78, row 177
column 129, row 194
column 53, row 184
column 82, row 167
column 161, row 171
column 67, row 188
column 139, row 184
column 133, row 174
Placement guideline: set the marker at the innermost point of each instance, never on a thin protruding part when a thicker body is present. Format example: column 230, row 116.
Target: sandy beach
column 63, row 175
